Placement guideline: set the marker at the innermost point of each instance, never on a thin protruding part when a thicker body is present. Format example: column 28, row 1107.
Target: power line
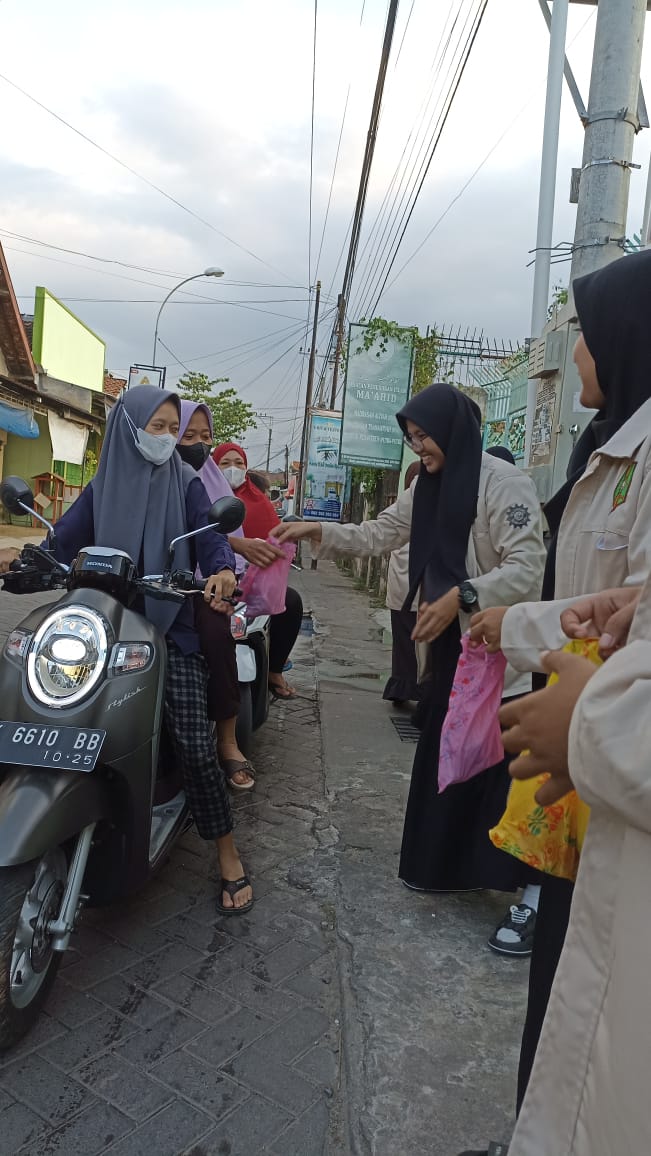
column 476, row 171
column 309, row 240
column 415, row 147
column 453, row 91
column 168, row 196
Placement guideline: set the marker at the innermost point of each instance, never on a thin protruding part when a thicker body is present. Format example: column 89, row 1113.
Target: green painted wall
column 27, row 457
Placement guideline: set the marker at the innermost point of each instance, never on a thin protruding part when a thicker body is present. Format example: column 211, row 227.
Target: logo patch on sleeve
column 518, row 516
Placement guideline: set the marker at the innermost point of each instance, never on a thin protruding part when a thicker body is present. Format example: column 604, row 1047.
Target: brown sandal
column 231, row 768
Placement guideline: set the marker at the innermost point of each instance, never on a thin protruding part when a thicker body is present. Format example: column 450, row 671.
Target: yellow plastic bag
column 548, row 838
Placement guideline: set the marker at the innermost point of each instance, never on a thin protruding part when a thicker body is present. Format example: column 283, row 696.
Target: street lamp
column 212, row 271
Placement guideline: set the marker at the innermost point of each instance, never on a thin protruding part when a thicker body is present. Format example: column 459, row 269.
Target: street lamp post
column 212, row 271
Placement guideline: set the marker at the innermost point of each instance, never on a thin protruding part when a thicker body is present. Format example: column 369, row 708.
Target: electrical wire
column 134, row 172
column 475, row 172
column 389, row 263
column 414, row 149
column 309, row 238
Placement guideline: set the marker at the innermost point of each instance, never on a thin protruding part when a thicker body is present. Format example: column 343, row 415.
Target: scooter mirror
column 227, row 514
column 15, row 495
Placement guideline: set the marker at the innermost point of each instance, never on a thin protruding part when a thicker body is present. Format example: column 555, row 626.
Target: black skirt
column 445, row 843
column 403, row 684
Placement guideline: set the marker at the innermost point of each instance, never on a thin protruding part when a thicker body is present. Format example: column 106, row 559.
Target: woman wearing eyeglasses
column 474, row 527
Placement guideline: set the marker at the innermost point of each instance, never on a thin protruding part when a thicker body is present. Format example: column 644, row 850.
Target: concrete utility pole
column 341, row 314
column 308, row 402
column 269, row 447
column 610, row 131
column 547, row 193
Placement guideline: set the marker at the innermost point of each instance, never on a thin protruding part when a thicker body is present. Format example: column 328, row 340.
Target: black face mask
column 195, row 455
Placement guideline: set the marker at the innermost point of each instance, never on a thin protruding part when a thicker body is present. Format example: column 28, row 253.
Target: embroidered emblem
column 620, row 492
column 518, row 516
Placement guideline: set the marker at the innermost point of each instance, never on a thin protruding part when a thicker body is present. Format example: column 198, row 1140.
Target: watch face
column 468, row 595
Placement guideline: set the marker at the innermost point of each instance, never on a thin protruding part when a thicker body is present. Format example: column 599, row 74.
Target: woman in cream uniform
column 603, row 538
column 589, row 1089
column 474, row 527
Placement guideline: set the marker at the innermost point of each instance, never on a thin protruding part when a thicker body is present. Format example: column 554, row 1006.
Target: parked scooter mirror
column 227, row 514
column 16, row 496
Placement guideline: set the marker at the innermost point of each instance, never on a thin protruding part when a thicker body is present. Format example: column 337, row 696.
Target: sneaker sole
column 511, row 950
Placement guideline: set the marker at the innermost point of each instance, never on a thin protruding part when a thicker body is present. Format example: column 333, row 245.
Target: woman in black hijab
column 475, row 538
column 445, row 844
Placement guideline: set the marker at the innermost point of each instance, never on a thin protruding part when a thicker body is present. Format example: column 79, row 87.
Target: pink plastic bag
column 471, row 739
column 264, row 590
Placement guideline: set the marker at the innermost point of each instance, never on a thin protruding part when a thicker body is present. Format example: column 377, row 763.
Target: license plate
column 35, row 745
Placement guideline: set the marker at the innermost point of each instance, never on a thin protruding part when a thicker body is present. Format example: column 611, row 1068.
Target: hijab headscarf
column 445, row 503
column 213, row 479
column 503, row 453
column 260, row 516
column 614, row 307
column 139, row 507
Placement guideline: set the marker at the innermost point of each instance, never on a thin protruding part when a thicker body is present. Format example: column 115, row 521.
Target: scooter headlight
column 67, row 656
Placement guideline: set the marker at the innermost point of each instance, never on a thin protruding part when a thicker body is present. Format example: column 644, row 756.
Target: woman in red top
column 259, row 521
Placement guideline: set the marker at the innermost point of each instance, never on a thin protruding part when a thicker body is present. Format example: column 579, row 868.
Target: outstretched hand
column 256, row 551
column 294, row 531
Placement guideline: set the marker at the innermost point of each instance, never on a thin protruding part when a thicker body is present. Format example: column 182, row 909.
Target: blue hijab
column 139, row 507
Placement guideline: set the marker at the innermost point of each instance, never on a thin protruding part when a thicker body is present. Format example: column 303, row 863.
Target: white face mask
column 155, row 448
column 235, row 476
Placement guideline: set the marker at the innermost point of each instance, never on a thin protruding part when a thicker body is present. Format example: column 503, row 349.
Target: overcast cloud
column 210, row 100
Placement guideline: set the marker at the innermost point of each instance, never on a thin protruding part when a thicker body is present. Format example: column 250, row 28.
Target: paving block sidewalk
column 343, row 1015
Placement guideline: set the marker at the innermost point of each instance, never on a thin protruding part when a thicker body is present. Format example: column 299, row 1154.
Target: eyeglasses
column 415, row 441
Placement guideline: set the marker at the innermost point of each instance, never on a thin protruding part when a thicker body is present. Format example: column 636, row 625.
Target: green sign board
column 377, row 386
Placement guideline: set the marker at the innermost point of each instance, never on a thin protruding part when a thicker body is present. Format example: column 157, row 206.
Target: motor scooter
column 90, row 797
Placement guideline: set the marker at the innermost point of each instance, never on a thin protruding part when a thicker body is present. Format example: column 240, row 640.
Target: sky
column 205, row 107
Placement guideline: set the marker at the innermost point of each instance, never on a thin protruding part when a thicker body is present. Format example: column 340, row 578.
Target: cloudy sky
column 210, row 101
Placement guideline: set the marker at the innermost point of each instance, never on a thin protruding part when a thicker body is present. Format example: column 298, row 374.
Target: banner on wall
column 377, row 386
column 325, row 479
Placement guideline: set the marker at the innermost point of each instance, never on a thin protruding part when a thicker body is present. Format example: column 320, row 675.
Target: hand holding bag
column 548, row 838
column 264, row 588
column 471, row 739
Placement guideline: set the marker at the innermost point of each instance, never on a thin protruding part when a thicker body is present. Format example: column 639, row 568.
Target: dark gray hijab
column 139, row 507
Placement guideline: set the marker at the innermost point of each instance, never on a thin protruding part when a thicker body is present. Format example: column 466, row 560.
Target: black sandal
column 233, row 887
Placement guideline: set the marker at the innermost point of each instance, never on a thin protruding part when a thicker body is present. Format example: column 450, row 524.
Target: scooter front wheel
column 30, row 898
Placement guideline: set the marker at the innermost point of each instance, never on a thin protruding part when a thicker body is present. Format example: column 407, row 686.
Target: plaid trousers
column 194, row 744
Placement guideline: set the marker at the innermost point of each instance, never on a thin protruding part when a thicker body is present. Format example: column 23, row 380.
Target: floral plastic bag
column 264, row 589
column 548, row 838
column 471, row 738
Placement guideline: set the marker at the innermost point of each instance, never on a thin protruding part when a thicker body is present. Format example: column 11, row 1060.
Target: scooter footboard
column 40, row 810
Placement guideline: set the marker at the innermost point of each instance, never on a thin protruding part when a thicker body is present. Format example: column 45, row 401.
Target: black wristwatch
column 468, row 597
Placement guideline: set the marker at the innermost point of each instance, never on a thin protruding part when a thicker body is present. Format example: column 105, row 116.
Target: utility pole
column 611, row 126
column 269, row 447
column 341, row 313
column 547, row 193
column 286, row 467
column 308, row 402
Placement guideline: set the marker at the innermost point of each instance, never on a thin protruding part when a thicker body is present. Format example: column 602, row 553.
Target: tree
column 231, row 416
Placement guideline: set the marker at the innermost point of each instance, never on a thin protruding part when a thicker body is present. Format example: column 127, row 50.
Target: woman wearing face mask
column 141, row 498
column 601, row 521
column 474, row 531
column 259, row 522
column 217, row 644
